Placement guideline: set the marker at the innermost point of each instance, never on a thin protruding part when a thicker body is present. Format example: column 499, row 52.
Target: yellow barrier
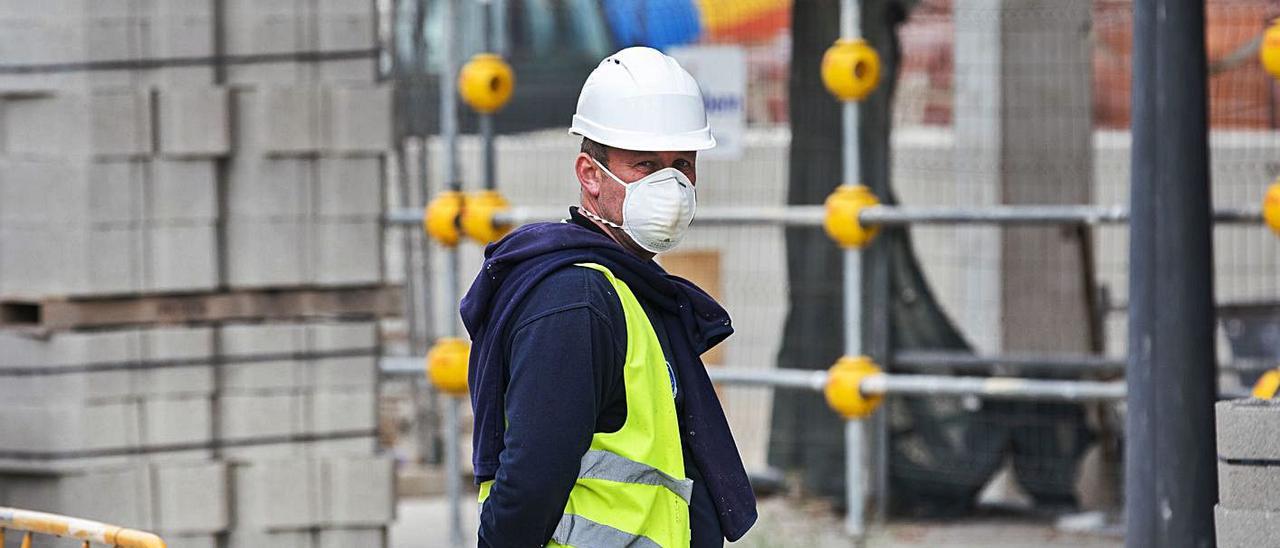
column 31, row 522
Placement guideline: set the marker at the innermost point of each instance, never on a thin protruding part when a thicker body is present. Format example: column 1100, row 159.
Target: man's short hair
column 596, row 150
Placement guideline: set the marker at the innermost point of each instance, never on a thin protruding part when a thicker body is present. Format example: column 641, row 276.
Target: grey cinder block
column 357, row 119
column 191, row 497
column 121, row 122
column 114, row 257
column 347, row 252
column 373, row 537
column 121, row 494
column 274, row 495
column 1249, row 486
column 182, row 258
column 266, row 253
column 291, row 119
column 270, row 188
column 349, row 187
column 358, row 491
column 275, row 539
column 183, row 191
column 1246, row 528
column 177, row 421
column 116, row 194
column 74, row 427
column 356, row 372
column 247, row 345
column 342, row 410
column 193, row 121
column 1239, row 424
column 54, row 125
column 254, row 415
column 361, row 446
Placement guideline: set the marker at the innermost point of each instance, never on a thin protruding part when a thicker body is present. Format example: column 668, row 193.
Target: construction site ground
column 793, row 523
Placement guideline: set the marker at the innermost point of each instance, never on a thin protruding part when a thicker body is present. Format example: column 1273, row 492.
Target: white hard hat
column 641, row 99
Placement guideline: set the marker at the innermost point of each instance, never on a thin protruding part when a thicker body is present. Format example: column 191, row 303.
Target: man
column 596, row 424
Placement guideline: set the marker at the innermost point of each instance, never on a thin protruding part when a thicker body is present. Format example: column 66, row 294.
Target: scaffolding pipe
column 929, row 359
column 809, row 215
column 854, row 435
column 448, row 324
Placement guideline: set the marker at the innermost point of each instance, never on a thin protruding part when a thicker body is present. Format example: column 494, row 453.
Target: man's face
column 630, row 166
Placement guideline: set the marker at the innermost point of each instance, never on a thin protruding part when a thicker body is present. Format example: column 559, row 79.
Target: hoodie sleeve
column 562, row 357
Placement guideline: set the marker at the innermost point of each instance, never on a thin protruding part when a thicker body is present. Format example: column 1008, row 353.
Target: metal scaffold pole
column 854, row 430
column 448, row 324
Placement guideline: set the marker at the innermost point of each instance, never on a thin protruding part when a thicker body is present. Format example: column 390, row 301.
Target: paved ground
column 788, row 523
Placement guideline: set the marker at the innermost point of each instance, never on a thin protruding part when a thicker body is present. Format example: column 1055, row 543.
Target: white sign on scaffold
column 721, row 72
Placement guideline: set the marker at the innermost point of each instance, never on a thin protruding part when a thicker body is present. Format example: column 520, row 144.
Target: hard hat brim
column 699, row 139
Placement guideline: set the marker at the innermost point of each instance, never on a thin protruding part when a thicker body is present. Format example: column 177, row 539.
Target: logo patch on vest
column 672, row 374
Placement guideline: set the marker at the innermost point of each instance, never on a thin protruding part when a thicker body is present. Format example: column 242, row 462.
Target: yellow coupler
column 850, row 70
column 447, row 365
column 477, row 217
column 1271, row 207
column 1269, row 50
column 29, row 522
column 486, row 83
column 844, row 387
column 1267, row 386
column 843, row 207
column 440, row 219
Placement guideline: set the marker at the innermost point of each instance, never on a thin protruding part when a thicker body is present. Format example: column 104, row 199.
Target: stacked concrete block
column 126, row 180
column 305, row 187
column 91, row 208
column 1248, row 510
column 313, row 502
column 313, row 27
column 186, row 502
column 318, row 382
column 77, row 400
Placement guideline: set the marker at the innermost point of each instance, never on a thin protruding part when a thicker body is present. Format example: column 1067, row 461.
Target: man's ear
column 589, row 175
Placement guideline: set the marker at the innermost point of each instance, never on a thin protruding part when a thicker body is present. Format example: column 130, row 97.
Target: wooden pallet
column 52, row 314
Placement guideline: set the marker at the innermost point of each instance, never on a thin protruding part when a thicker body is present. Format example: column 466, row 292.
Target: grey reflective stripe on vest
column 605, row 465
column 574, row 530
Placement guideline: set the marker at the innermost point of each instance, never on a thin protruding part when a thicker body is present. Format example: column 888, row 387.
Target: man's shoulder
column 570, row 287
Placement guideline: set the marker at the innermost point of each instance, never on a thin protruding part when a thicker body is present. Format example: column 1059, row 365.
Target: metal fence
column 1036, row 303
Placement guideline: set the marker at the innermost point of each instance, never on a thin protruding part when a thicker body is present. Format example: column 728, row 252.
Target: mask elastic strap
column 606, row 170
column 594, row 217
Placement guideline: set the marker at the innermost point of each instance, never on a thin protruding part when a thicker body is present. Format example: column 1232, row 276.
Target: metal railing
column 30, row 523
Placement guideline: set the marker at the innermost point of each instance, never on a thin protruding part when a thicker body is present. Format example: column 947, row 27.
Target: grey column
column 1171, row 480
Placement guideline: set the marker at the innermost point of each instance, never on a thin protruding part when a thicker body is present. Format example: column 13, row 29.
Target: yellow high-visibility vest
column 631, row 488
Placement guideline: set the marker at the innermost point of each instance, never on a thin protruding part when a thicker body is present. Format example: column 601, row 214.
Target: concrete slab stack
column 1248, row 510
column 138, row 163
column 112, row 425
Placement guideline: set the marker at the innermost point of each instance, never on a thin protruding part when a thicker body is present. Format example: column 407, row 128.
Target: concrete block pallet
column 84, row 398
column 312, row 502
column 1248, row 511
column 174, row 220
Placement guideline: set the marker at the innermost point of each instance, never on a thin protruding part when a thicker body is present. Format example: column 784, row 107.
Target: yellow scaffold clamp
column 844, row 387
column 843, row 208
column 447, row 365
column 1269, row 50
column 486, row 83
column 440, row 219
column 1268, row 384
column 851, row 69
column 1271, row 207
column 478, row 217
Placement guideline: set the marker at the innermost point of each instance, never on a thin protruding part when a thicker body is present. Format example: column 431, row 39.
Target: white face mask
column 657, row 209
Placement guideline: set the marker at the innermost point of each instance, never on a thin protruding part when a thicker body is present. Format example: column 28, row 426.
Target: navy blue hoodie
column 692, row 323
